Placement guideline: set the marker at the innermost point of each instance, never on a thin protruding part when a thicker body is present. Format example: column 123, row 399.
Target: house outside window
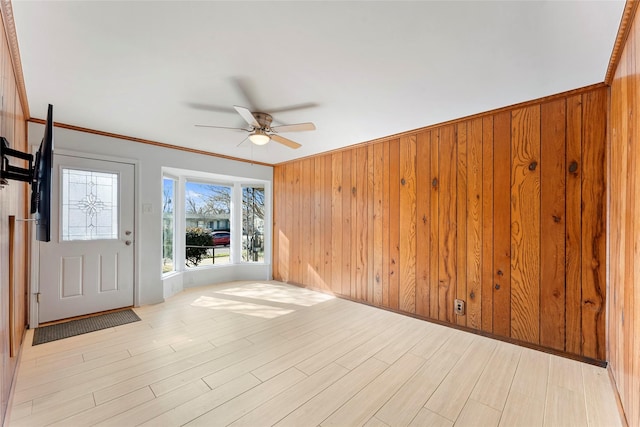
column 207, row 224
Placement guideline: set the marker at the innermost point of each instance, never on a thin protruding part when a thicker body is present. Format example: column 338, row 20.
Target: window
column 208, row 224
column 253, row 223
column 211, row 220
column 89, row 205
column 168, row 224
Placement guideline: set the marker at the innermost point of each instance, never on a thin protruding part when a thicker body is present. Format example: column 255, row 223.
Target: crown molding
column 147, row 141
column 14, row 51
column 628, row 14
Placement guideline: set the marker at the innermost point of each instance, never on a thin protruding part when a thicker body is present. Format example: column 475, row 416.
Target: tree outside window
column 168, row 224
column 253, row 223
column 208, row 224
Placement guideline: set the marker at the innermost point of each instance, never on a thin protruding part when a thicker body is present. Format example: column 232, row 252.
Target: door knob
column 128, row 242
column 128, row 232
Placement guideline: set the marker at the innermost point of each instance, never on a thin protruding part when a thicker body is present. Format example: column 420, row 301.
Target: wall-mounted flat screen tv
column 41, row 186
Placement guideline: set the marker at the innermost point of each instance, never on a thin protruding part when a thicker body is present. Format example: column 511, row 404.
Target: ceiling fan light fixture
column 259, row 137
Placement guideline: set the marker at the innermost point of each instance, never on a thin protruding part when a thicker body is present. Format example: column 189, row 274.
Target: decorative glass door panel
column 89, row 205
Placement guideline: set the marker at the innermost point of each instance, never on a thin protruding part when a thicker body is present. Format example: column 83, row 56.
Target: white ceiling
column 363, row 70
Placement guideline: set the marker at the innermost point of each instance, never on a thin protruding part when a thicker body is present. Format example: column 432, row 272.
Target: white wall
column 149, row 161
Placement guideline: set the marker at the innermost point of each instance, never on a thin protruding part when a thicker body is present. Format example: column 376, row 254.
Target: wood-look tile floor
column 266, row 353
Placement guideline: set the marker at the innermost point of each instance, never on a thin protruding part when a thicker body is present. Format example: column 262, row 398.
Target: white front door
column 88, row 266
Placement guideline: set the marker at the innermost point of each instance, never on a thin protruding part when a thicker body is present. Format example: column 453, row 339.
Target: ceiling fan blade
column 284, row 141
column 292, row 107
column 210, row 107
column 247, row 116
column 243, row 85
column 220, row 127
column 299, row 127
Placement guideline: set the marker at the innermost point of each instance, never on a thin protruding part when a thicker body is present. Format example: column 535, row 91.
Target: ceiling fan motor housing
column 263, row 119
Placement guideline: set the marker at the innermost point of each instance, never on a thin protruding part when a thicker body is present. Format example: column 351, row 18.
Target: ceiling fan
column 261, row 131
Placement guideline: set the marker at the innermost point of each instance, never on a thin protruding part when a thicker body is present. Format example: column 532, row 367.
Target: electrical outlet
column 458, row 307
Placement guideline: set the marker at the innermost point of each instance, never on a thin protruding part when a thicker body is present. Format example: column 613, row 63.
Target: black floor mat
column 82, row 326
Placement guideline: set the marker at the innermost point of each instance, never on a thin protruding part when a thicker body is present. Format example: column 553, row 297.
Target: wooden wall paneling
column 311, row 265
column 434, row 228
column 354, row 225
column 336, row 221
column 617, row 185
column 283, row 241
column 378, row 228
column 14, row 201
column 326, row 243
column 287, row 227
column 6, row 124
column 625, row 305
column 622, row 151
column 297, row 241
column 386, row 213
column 474, row 223
column 347, row 220
column 290, row 233
column 423, row 222
column 361, row 224
column 620, row 254
column 552, row 215
column 22, row 279
column 318, row 227
column 502, row 224
column 525, row 224
column 573, row 225
column 623, row 302
column 447, row 223
column 407, row 247
column 369, row 263
column 593, row 224
column 633, row 301
column 460, row 197
column 313, row 278
column 631, row 294
column 487, row 224
column 394, row 222
column 306, row 276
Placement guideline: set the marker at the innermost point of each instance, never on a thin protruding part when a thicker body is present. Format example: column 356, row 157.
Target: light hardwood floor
column 266, row 353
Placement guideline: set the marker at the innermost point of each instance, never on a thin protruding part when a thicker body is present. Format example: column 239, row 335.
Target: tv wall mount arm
column 8, row 171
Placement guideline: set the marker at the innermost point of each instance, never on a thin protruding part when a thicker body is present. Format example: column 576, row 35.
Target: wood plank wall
column 504, row 210
column 13, row 201
column 624, row 238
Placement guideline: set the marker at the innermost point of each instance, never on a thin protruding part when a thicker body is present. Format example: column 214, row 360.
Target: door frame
column 34, row 281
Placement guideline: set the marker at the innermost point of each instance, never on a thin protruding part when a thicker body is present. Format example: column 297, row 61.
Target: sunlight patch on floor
column 240, row 307
column 278, row 293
